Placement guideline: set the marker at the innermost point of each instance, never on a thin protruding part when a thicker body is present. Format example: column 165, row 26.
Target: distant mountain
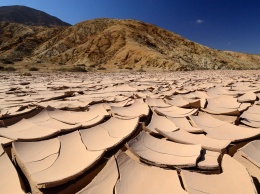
column 28, row 16
column 113, row 45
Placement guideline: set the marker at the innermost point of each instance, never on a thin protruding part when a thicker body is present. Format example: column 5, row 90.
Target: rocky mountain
column 28, row 16
column 113, row 45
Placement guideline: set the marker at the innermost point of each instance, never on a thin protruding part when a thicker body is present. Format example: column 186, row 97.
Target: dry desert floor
column 178, row 132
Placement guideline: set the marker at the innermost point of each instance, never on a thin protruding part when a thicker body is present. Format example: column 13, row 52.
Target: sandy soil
column 61, row 129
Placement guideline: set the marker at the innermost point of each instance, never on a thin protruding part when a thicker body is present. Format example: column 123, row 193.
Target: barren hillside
column 114, row 45
column 29, row 16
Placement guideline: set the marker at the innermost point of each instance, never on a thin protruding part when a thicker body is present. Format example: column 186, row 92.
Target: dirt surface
column 68, row 132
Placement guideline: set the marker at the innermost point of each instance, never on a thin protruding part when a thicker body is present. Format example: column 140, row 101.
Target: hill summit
column 112, row 45
column 28, row 16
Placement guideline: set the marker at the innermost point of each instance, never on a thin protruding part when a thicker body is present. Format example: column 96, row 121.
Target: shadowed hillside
column 28, row 16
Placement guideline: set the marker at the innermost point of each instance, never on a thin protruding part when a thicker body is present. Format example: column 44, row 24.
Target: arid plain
column 178, row 132
column 122, row 106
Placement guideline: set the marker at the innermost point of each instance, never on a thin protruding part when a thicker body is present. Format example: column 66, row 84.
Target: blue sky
column 220, row 24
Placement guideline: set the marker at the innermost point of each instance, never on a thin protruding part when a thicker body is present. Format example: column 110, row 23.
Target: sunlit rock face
column 111, row 45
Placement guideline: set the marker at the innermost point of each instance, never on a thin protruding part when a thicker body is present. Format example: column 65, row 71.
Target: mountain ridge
column 114, row 45
column 29, row 16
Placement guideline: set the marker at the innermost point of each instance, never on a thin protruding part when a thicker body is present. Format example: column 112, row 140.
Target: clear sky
column 220, row 24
